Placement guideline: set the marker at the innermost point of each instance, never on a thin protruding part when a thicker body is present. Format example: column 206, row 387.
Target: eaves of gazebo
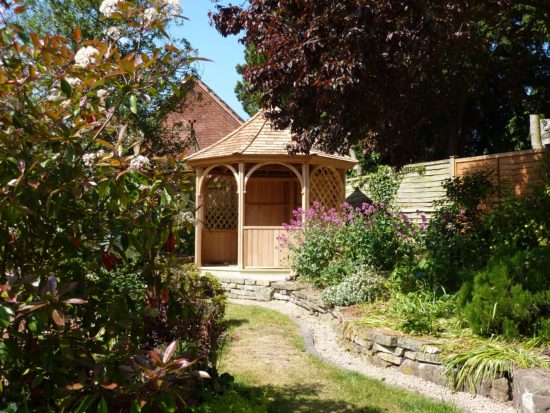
column 247, row 186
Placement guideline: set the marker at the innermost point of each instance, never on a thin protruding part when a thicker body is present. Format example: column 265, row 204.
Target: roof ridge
column 255, row 137
column 242, row 126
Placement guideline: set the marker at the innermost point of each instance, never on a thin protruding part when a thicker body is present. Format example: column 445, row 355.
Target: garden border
column 412, row 356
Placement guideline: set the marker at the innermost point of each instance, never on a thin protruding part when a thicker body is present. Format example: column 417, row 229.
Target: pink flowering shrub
column 327, row 245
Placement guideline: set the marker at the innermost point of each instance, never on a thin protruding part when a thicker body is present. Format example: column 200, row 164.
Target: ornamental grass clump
column 492, row 359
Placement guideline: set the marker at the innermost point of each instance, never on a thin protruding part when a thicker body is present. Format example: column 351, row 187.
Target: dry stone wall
column 264, row 290
column 415, row 357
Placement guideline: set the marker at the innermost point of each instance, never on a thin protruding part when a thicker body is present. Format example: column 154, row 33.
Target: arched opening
column 273, row 191
column 220, row 217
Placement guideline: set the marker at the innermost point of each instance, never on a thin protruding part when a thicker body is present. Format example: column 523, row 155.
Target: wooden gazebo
column 247, row 186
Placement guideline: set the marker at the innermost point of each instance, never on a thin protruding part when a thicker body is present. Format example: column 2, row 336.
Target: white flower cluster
column 150, row 15
column 109, row 7
column 73, row 81
column 86, row 56
column 114, row 32
column 55, row 96
column 161, row 9
column 169, row 7
column 90, row 159
column 173, row 5
column 139, row 163
column 102, row 93
column 185, row 217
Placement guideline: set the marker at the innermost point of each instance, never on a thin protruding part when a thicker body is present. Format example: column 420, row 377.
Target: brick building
column 203, row 118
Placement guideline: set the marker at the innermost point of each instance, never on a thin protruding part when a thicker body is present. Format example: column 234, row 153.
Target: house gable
column 206, row 114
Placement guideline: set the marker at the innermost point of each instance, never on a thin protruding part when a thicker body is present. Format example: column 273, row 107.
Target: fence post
column 452, row 165
column 534, row 131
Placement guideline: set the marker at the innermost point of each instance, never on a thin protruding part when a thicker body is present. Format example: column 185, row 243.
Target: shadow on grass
column 234, row 323
column 301, row 399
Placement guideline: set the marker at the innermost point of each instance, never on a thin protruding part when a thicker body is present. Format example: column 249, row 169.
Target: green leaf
column 5, row 315
column 136, row 408
column 102, row 406
column 66, row 88
column 86, row 401
column 133, row 104
column 168, row 403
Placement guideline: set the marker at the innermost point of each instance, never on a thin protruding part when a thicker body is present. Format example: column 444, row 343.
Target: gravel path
column 321, row 340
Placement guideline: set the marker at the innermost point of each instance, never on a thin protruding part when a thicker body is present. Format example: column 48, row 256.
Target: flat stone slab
column 532, row 390
column 288, row 286
column 382, row 339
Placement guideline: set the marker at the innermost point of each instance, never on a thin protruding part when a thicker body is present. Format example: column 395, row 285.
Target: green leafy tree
column 61, row 17
column 249, row 100
column 89, row 225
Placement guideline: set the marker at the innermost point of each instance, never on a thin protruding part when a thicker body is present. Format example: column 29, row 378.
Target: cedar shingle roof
column 256, row 137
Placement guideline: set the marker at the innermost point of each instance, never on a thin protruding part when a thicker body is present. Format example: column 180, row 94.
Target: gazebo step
column 256, row 274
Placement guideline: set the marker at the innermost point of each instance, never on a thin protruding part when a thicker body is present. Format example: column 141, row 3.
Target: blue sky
column 225, row 53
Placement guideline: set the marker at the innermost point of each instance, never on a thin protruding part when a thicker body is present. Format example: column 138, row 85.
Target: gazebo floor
column 257, row 274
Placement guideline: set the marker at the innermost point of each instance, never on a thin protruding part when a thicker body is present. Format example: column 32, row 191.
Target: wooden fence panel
column 511, row 173
column 421, row 187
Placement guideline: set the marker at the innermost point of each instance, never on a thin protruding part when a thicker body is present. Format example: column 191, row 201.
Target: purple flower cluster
column 365, row 218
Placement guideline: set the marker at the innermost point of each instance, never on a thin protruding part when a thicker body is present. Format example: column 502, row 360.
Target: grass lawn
column 266, row 355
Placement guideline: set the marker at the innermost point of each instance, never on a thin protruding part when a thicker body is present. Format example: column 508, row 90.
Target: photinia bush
column 89, row 224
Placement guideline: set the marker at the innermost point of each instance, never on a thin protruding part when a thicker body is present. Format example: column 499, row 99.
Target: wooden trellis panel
column 221, row 203
column 326, row 187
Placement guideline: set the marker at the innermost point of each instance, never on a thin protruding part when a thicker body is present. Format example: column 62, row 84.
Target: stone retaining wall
column 412, row 356
column 530, row 388
column 263, row 290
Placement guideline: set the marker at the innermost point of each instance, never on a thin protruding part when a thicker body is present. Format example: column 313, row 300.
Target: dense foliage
column 329, row 245
column 457, row 242
column 477, row 260
column 249, row 100
column 511, row 296
column 417, row 79
column 96, row 312
column 60, row 17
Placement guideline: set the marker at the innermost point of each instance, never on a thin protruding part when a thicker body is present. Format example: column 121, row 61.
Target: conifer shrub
column 510, row 297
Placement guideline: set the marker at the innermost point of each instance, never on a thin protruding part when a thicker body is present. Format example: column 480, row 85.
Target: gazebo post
column 240, row 224
column 199, row 215
column 305, row 189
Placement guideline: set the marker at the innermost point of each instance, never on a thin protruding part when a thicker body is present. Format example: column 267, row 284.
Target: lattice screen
column 221, row 203
column 325, row 187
